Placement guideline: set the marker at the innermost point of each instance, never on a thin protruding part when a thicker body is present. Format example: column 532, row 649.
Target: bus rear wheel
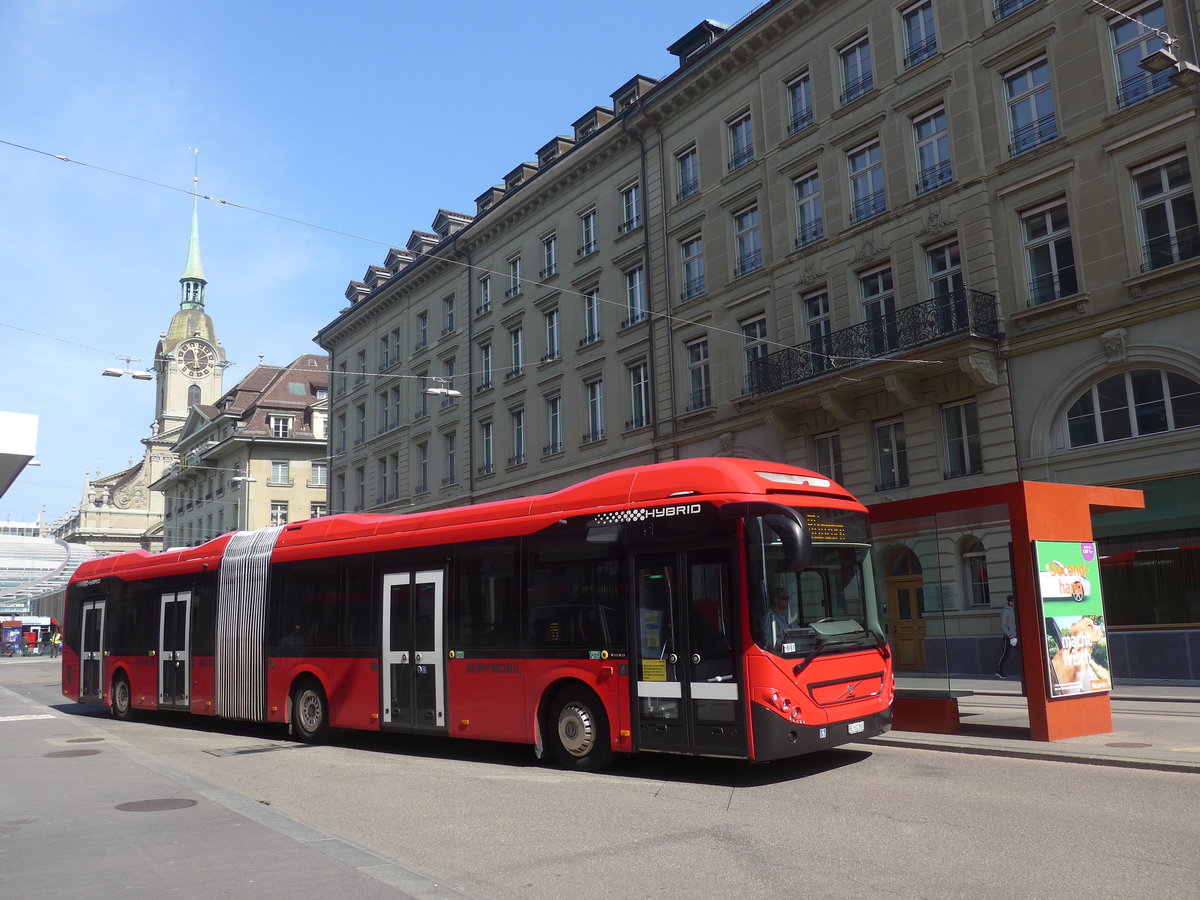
column 122, row 699
column 310, row 712
column 579, row 730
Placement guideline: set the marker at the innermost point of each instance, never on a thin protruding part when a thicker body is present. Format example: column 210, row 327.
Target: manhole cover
column 67, row 754
column 155, row 805
column 1128, row 744
column 83, row 740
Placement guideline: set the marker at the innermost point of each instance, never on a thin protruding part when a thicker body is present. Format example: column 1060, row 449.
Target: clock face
column 196, row 358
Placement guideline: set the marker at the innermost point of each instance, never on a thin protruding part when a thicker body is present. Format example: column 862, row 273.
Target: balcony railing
column 515, row 291
column 629, row 224
column 641, row 421
column 740, row 157
column 1053, row 286
column 550, row 271
column 587, row 248
column 810, row 233
column 552, row 448
column 748, row 262
column 693, row 288
column 934, row 177
column 699, row 399
column 592, row 436
column 868, row 207
column 857, row 88
column 801, row 119
column 959, row 313
column 1004, row 8
column 920, row 52
column 1141, row 85
column 635, row 316
column 1032, row 135
column 1168, row 249
column 689, row 187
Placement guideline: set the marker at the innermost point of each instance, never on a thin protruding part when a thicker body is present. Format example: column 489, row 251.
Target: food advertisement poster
column 1073, row 617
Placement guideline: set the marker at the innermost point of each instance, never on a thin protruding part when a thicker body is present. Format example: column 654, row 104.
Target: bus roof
column 714, row 479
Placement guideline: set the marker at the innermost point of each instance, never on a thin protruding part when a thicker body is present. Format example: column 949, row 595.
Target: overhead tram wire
column 671, row 318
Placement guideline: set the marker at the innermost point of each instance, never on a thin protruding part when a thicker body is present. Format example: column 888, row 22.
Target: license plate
column 856, row 727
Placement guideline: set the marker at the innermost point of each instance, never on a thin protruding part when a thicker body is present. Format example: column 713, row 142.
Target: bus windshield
column 825, row 607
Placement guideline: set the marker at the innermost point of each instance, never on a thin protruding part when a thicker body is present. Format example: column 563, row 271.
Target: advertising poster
column 1073, row 617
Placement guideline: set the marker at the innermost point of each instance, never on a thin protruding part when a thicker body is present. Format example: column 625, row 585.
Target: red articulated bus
column 718, row 607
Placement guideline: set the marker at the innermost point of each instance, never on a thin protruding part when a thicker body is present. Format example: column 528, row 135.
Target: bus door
column 687, row 692
column 414, row 669
column 91, row 652
column 174, row 635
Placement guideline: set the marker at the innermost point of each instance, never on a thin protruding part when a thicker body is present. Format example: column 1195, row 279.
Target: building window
column 748, row 241
column 395, row 405
column 341, row 378
column 879, row 310
column 339, row 444
column 554, row 433
column 635, row 296
column 485, row 295
column 516, row 342
column 1133, row 404
column 891, row 457
column 960, row 425
column 1166, row 212
column 699, row 386
column 819, row 325
column 341, row 492
column 448, row 315
column 384, row 347
column 553, row 344
column 920, row 41
column 866, row 182
column 320, row 475
column 933, row 150
column 487, row 458
column 316, row 510
column 360, row 423
column 279, row 513
column 829, row 455
column 687, row 173
column 587, row 232
column 422, row 405
column 381, row 479
column 741, row 141
column 595, row 411
column 692, row 253
column 422, row 468
column 631, row 207
column 515, row 285
column 279, row 473
column 549, row 256
column 1048, row 251
column 591, row 317
column 810, row 221
column 800, row 105
column 422, row 331
column 281, row 426
column 450, row 458
column 447, row 382
column 381, row 424
column 639, row 396
column 975, row 574
column 517, row 423
column 485, row 366
column 1030, row 106
column 394, row 356
column 1132, row 42
column 754, row 348
column 360, row 360
column 946, row 286
column 857, row 75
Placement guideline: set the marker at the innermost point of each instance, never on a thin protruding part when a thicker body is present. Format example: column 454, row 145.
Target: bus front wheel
column 122, row 699
column 579, row 730
column 310, row 712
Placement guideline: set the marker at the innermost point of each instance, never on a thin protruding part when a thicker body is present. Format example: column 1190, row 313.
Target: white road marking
column 23, row 718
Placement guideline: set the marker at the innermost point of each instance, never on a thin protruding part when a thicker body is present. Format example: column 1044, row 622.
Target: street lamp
column 441, row 391
column 136, row 374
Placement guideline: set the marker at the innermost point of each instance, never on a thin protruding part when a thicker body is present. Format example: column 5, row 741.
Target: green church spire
column 193, row 280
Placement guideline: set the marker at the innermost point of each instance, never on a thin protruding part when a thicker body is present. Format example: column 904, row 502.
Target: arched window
column 975, row 574
column 193, row 395
column 1132, row 404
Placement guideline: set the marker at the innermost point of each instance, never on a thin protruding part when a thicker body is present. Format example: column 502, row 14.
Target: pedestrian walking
column 1008, row 631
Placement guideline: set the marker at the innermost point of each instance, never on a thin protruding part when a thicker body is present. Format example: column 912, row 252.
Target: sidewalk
column 1156, row 725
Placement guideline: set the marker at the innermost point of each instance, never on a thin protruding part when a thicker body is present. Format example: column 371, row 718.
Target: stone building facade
column 919, row 247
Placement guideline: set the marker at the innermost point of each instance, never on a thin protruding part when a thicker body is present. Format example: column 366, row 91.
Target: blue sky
column 362, row 117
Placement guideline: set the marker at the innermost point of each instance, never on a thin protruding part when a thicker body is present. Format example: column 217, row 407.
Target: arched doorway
column 906, row 609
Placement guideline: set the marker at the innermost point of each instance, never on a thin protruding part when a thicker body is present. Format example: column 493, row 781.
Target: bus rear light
column 464, row 722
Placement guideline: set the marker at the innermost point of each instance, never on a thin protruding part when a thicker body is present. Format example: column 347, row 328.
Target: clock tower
column 189, row 362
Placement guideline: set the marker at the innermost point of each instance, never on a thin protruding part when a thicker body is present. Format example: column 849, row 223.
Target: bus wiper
column 821, row 645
